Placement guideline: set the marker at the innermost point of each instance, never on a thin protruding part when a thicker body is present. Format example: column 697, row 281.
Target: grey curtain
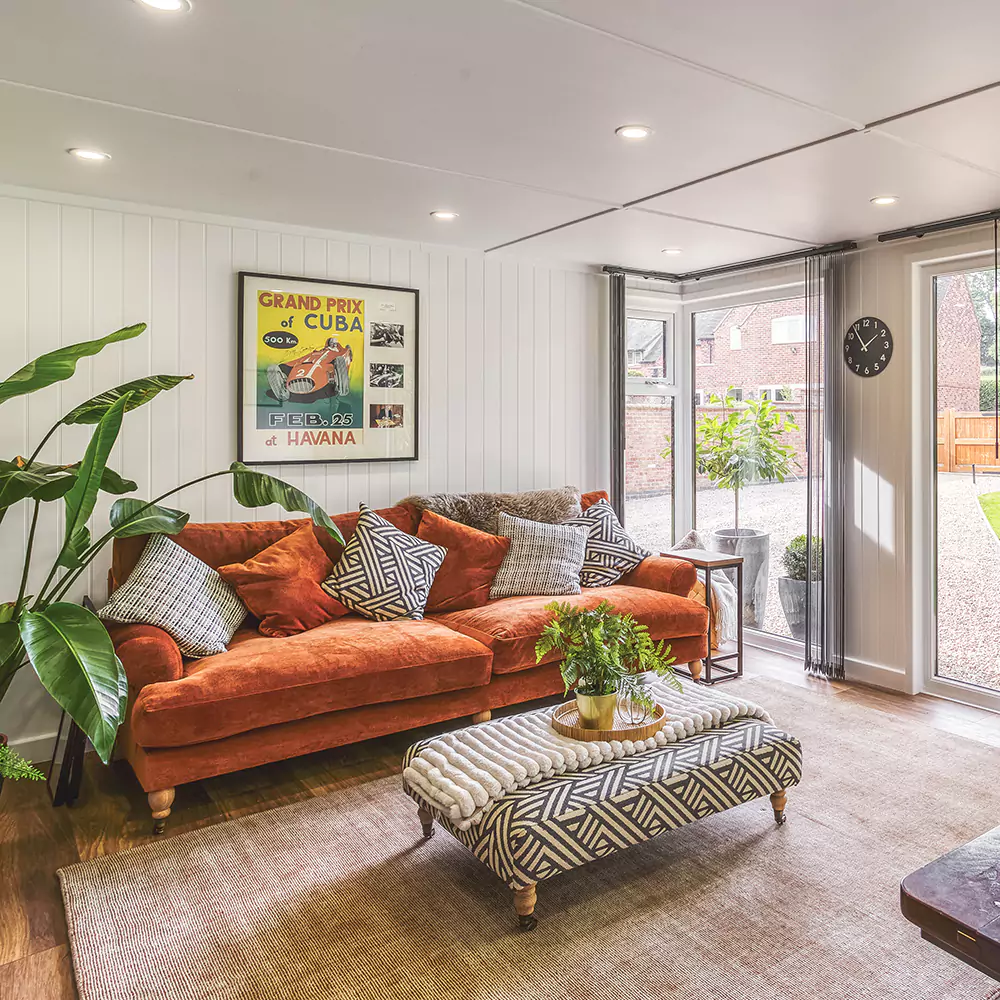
column 826, row 314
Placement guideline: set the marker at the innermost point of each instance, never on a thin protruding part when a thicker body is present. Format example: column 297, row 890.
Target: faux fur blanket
column 461, row 774
column 480, row 510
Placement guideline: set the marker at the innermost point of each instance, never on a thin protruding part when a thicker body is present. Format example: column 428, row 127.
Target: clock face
column 868, row 347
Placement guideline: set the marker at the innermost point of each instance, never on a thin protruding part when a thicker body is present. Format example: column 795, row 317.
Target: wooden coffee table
column 955, row 901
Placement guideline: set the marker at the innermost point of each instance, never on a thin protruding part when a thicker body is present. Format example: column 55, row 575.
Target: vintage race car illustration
column 318, row 375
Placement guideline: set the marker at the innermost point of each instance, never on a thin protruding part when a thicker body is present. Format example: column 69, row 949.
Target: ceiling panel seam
column 520, row 185
column 722, row 225
column 683, row 61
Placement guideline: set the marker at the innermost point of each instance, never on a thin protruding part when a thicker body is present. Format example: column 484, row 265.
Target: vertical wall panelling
column 508, row 363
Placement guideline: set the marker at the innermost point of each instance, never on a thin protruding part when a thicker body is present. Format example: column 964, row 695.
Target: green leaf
column 153, row 520
column 72, row 554
column 140, row 391
column 56, row 366
column 75, row 660
column 46, row 482
column 111, row 482
column 256, row 489
column 80, row 500
column 10, row 637
column 16, row 768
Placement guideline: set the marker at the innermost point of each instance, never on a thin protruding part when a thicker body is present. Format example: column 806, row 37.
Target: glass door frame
column 925, row 470
column 647, row 304
column 767, row 287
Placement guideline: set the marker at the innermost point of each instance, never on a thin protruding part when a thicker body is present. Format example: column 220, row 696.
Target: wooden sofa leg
column 482, row 716
column 695, row 667
column 778, row 800
column 524, row 907
column 160, row 802
column 426, row 821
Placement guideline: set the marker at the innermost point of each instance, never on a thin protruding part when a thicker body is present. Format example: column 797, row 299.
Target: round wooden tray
column 566, row 720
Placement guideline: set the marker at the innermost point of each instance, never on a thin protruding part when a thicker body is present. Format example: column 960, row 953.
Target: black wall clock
column 868, row 347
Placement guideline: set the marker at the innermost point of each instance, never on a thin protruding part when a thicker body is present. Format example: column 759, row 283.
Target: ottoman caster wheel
column 429, row 832
column 524, row 907
column 779, row 818
column 778, row 801
column 527, row 923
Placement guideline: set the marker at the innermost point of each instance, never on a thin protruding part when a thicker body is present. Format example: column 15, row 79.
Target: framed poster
column 327, row 371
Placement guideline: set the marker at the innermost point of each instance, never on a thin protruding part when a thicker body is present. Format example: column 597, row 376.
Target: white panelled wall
column 513, row 370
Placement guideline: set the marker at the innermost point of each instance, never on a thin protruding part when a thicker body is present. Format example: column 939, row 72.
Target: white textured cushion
column 384, row 573
column 543, row 559
column 176, row 591
column 611, row 550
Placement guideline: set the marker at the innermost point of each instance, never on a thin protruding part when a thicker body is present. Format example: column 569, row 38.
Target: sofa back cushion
column 227, row 542
column 471, row 563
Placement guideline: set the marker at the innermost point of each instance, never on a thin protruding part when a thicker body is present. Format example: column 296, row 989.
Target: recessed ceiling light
column 169, row 5
column 633, row 131
column 442, row 213
column 671, row 250
column 89, row 154
column 884, row 199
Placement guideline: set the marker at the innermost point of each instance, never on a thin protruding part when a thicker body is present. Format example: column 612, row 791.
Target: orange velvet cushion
column 589, row 499
column 467, row 573
column 281, row 585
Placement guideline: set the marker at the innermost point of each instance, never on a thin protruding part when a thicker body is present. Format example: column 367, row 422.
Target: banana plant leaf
column 139, row 391
column 257, row 489
column 47, row 482
column 153, row 520
column 56, row 366
column 10, row 639
column 74, row 658
column 71, row 555
column 80, row 500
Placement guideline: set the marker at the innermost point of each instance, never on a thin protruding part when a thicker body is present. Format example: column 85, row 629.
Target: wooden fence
column 966, row 439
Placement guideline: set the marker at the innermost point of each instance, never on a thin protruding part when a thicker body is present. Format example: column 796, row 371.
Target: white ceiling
column 365, row 116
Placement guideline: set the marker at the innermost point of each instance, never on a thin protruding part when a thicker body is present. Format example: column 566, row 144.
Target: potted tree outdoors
column 67, row 645
column 734, row 448
column 792, row 589
column 604, row 653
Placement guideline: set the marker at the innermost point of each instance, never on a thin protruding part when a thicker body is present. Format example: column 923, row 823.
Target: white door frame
column 966, row 253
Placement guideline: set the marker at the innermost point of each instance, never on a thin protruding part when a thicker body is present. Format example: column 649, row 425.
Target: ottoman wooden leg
column 482, row 716
column 160, row 803
column 695, row 667
column 524, row 906
column 426, row 821
column 778, row 800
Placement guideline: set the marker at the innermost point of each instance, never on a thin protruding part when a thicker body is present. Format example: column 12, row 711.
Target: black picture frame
column 242, row 277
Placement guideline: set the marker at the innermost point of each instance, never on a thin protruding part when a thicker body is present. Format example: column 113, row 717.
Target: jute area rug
column 339, row 897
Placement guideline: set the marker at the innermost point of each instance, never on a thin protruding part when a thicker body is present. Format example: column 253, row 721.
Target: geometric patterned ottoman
column 568, row 820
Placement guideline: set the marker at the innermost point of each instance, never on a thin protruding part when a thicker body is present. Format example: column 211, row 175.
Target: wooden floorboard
column 113, row 815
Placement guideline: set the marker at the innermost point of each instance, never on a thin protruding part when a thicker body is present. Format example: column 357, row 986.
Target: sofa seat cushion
column 346, row 663
column 511, row 626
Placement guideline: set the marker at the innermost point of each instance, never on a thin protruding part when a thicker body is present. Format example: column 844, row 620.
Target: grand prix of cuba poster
column 327, row 371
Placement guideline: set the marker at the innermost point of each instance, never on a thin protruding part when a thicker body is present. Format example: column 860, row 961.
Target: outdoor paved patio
column 968, row 569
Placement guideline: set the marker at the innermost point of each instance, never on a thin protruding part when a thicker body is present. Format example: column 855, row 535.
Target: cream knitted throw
column 460, row 774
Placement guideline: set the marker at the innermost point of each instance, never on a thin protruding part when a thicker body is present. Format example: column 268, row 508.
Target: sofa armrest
column 147, row 653
column 663, row 573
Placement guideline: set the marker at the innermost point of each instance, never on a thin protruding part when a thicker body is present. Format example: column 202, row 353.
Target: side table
column 717, row 659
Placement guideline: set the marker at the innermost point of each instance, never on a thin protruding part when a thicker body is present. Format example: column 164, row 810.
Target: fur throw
column 480, row 510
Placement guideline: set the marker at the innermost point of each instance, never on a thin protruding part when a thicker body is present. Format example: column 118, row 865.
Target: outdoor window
column 759, row 513
column 788, row 329
column 735, row 338
column 649, row 347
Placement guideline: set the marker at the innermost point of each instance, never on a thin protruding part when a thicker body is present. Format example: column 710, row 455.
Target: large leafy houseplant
column 742, row 444
column 67, row 645
column 604, row 651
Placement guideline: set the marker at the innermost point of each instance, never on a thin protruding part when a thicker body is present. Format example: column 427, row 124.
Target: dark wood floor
column 112, row 814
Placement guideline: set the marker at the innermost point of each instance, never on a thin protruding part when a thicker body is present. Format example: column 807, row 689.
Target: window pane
column 649, row 344
column 649, row 474
column 763, row 365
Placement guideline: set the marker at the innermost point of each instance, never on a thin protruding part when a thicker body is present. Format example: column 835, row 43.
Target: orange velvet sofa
column 269, row 699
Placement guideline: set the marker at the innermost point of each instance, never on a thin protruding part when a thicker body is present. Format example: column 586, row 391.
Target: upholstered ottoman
column 569, row 820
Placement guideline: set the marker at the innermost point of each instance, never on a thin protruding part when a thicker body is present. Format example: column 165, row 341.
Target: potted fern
column 66, row 645
column 604, row 652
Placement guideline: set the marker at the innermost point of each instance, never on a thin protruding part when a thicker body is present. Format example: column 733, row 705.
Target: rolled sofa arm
column 663, row 573
column 147, row 653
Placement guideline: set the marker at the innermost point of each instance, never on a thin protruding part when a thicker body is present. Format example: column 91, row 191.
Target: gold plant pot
column 597, row 711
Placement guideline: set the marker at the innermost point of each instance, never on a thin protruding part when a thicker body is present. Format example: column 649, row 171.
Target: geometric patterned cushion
column 611, row 551
column 384, row 574
column 543, row 559
column 574, row 818
column 176, row 591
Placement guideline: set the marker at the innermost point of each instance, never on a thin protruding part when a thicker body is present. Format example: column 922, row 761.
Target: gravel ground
column 777, row 508
column 968, row 582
